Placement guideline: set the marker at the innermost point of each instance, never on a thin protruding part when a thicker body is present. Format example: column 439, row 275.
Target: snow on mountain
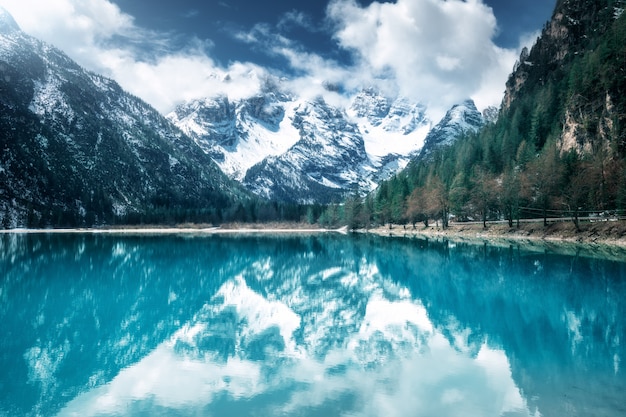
column 283, row 147
column 461, row 119
column 381, row 121
column 327, row 160
column 393, row 131
column 239, row 134
column 77, row 149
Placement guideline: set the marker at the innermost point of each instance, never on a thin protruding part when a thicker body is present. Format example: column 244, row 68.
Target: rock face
column 287, row 148
column 238, row 134
column 327, row 160
column 460, row 120
column 575, row 73
column 568, row 34
column 78, row 150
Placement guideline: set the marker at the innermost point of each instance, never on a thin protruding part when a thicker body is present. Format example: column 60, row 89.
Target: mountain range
column 79, row 150
column 284, row 147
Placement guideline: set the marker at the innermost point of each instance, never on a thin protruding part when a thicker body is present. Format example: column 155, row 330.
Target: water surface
column 317, row 325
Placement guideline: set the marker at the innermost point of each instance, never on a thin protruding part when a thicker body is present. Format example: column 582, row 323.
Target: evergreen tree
column 353, row 209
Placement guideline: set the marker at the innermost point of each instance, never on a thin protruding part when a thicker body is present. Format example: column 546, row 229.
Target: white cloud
column 440, row 52
column 295, row 18
column 77, row 27
column 90, row 32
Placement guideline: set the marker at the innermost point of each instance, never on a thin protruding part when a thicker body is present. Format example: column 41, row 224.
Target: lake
column 307, row 325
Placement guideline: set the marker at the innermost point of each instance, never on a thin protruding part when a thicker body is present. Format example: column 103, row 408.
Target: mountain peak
column 8, row 25
column 460, row 120
column 462, row 113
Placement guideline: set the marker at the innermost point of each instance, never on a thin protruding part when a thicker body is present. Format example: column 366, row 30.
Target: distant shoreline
column 611, row 233
column 187, row 229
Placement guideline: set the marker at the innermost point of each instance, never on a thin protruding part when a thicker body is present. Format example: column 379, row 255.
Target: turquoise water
column 325, row 325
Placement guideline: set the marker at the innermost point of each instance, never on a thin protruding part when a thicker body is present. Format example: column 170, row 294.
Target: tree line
column 558, row 149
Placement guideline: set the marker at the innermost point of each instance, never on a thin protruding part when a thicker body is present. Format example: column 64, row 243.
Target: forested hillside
column 558, row 147
column 77, row 150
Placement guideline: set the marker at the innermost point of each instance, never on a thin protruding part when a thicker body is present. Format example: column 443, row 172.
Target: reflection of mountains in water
column 560, row 319
column 250, row 305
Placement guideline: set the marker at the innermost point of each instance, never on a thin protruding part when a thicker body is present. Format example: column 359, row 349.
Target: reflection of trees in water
column 101, row 303
column 559, row 318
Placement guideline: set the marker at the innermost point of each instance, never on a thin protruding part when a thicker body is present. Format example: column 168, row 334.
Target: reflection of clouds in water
column 43, row 363
column 79, row 310
column 259, row 313
column 440, row 383
column 394, row 364
column 169, row 381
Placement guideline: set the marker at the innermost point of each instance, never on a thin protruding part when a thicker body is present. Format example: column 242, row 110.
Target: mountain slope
column 78, row 150
column 558, row 147
column 460, row 120
column 263, row 142
column 572, row 82
column 323, row 164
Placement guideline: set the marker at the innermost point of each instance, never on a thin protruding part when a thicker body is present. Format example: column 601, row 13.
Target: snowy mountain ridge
column 238, row 134
column 460, row 120
column 78, row 150
column 281, row 146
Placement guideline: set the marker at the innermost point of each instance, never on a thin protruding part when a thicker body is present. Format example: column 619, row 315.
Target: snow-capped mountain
column 239, row 133
column 284, row 147
column 77, row 149
column 328, row 159
column 460, row 120
column 393, row 131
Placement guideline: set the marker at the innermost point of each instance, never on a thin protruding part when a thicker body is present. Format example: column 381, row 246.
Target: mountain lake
column 307, row 325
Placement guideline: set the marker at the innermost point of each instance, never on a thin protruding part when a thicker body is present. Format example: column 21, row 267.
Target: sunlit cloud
column 434, row 51
column 100, row 37
column 440, row 52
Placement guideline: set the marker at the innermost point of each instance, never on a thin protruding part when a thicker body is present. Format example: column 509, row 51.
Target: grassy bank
column 605, row 240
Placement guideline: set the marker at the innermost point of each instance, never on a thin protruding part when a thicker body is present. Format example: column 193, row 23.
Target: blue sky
column 435, row 51
column 218, row 21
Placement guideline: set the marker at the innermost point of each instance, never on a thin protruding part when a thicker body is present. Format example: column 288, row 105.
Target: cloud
column 440, row 52
column 75, row 26
column 295, row 18
column 176, row 78
column 435, row 51
column 100, row 37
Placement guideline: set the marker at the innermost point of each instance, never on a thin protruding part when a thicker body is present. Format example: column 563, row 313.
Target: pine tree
column 353, row 208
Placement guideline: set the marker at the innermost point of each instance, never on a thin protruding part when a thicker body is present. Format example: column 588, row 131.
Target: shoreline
column 612, row 233
column 605, row 240
column 601, row 239
column 186, row 229
column 608, row 233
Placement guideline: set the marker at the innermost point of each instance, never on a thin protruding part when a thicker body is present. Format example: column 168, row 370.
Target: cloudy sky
column 436, row 51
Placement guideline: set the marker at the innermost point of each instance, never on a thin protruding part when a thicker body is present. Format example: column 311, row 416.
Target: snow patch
column 259, row 313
